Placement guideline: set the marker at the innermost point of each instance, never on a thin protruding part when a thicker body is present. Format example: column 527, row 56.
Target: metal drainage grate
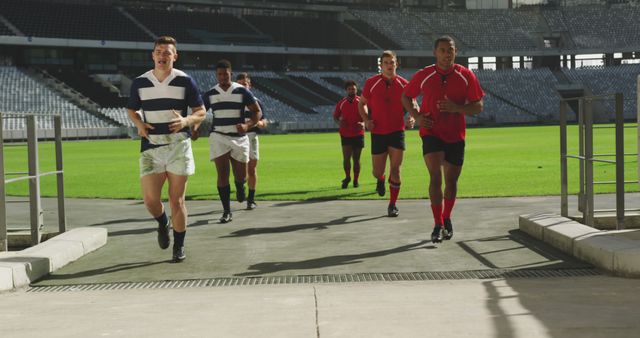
column 312, row 279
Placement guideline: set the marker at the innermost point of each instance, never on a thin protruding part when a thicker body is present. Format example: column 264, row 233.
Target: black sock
column 252, row 195
column 178, row 238
column 225, row 197
column 162, row 219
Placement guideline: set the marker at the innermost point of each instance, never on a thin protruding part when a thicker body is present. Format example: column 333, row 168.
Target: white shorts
column 220, row 144
column 176, row 158
column 254, row 146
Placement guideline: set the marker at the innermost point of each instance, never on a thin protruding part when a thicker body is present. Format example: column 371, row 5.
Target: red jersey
column 385, row 103
column 348, row 109
column 457, row 84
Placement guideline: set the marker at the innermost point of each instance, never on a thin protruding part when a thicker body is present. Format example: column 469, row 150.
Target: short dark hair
column 165, row 40
column 444, row 38
column 225, row 64
column 349, row 83
column 243, row 76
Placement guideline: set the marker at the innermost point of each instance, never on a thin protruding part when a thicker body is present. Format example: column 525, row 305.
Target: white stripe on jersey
column 374, row 85
column 224, row 97
column 227, row 129
column 426, row 78
column 160, row 116
column 162, row 92
column 226, row 113
column 462, row 76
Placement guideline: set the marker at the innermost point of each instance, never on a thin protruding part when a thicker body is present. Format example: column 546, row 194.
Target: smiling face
column 445, row 53
column 164, row 55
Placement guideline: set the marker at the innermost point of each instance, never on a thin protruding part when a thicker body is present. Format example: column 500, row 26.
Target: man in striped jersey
column 163, row 95
column 449, row 93
column 351, row 131
column 228, row 141
column 254, row 144
column 382, row 112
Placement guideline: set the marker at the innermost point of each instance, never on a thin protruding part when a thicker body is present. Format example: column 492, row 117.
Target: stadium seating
column 20, row 94
column 610, row 80
column 74, row 21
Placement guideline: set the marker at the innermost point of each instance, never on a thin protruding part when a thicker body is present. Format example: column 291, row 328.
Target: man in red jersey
column 449, row 92
column 351, row 131
column 381, row 109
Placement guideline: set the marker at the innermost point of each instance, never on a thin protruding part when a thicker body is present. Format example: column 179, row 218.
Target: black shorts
column 380, row 143
column 453, row 152
column 356, row 141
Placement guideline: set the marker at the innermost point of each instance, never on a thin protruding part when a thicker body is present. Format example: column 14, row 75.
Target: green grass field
column 517, row 161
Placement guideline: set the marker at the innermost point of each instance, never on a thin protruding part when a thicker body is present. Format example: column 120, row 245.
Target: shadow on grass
column 317, row 263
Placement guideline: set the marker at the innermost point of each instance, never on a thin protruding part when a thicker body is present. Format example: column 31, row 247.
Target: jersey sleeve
column 134, row 102
column 337, row 112
column 247, row 97
column 366, row 90
column 193, row 95
column 412, row 89
column 475, row 92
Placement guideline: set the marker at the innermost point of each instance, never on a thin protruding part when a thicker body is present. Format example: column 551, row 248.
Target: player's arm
column 180, row 122
column 143, row 128
column 254, row 119
column 410, row 105
column 470, row 109
column 363, row 110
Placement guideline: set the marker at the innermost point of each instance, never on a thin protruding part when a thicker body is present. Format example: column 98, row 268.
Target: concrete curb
column 615, row 251
column 19, row 269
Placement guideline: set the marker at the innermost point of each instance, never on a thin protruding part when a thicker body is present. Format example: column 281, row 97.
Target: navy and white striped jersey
column 227, row 107
column 247, row 116
column 157, row 99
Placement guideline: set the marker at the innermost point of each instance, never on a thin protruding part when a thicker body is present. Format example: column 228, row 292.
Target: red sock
column 448, row 207
column 381, row 178
column 436, row 209
column 347, row 172
column 356, row 174
column 394, row 189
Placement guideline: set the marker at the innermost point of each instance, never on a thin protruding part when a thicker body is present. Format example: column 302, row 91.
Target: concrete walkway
column 323, row 238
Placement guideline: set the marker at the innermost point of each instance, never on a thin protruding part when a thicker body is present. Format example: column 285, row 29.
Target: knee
column 176, row 204
column 150, row 201
column 394, row 172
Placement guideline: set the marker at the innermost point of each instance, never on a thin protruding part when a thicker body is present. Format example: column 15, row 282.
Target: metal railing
column 586, row 158
column 33, row 176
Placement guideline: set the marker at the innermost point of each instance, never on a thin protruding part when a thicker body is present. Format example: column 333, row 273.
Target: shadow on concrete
column 298, row 227
column 105, row 270
column 317, row 263
column 525, row 241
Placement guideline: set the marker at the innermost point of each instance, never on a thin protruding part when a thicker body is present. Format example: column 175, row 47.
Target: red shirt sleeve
column 475, row 92
column 336, row 113
column 412, row 89
column 366, row 91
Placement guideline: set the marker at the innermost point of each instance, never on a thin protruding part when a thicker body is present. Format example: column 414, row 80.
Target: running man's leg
column 240, row 178
column 252, row 174
column 357, row 151
column 379, row 164
column 347, row 150
column 224, row 189
column 151, row 191
column 395, row 161
column 177, row 188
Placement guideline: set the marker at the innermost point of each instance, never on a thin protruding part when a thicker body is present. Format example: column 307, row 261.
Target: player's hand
column 242, row 128
column 360, row 125
column 410, row 122
column 178, row 122
column 143, row 129
column 370, row 125
column 426, row 121
column 447, row 105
